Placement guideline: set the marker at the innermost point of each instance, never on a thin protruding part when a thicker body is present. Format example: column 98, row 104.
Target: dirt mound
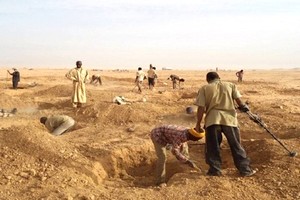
column 11, row 101
column 130, row 80
column 57, row 91
column 111, row 113
column 289, row 91
column 43, row 159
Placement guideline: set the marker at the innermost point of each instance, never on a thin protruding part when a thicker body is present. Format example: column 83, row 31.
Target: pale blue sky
column 191, row 34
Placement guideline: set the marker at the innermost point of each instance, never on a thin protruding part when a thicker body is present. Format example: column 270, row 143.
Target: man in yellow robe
column 79, row 76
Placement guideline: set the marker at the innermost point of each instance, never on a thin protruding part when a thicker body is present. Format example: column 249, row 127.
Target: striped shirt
column 171, row 135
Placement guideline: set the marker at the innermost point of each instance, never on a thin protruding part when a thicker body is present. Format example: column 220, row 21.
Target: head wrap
column 196, row 134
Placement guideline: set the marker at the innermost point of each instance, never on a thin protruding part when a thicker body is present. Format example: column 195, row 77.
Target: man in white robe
column 79, row 76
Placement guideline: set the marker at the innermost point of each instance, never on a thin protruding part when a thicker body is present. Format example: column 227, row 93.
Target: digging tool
column 133, row 88
column 193, row 165
column 259, row 121
column 197, row 168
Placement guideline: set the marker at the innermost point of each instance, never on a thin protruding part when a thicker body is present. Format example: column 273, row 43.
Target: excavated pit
column 134, row 160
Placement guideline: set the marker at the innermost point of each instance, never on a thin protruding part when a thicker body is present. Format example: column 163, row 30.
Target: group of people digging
column 216, row 108
column 152, row 78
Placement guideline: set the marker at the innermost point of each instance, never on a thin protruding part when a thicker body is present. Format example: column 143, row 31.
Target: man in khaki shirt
column 151, row 77
column 216, row 100
column 58, row 124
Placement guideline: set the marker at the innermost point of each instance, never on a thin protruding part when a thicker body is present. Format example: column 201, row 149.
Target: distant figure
column 240, row 75
column 155, row 76
column 79, row 76
column 15, row 78
column 174, row 78
column 140, row 76
column 151, row 77
column 166, row 137
column 58, row 124
column 96, row 78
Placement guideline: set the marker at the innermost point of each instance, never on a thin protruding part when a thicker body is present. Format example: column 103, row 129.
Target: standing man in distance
column 140, row 76
column 15, row 78
column 240, row 75
column 151, row 77
column 155, row 76
column 216, row 100
column 79, row 76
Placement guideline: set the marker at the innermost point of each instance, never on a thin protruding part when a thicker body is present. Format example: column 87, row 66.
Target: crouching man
column 175, row 138
column 58, row 124
column 96, row 78
column 174, row 78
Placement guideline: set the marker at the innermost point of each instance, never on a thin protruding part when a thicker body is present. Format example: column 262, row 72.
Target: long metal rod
column 257, row 119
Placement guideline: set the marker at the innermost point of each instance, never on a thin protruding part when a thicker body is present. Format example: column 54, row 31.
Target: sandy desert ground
column 101, row 159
